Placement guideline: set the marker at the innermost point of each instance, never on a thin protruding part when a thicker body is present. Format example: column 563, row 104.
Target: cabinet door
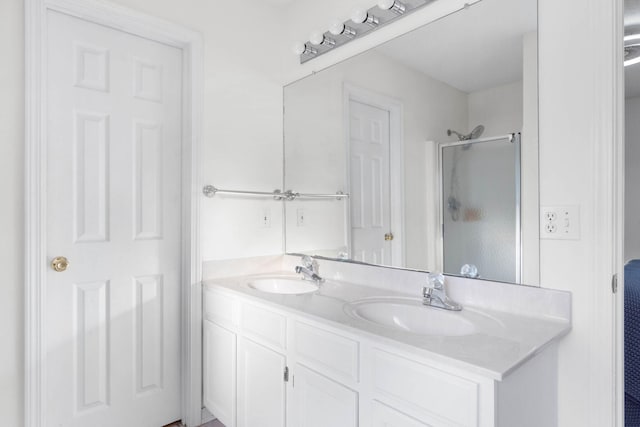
column 321, row 402
column 384, row 416
column 219, row 371
column 261, row 386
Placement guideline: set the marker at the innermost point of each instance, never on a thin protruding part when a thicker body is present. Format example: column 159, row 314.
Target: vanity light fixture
column 392, row 5
column 362, row 22
column 631, row 49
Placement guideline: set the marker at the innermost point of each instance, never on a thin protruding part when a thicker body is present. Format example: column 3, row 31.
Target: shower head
column 474, row 134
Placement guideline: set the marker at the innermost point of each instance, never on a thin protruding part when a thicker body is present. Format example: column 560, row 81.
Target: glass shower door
column 480, row 208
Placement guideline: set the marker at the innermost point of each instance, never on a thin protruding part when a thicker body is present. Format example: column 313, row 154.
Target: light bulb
column 336, row 27
column 316, row 38
column 359, row 16
column 394, row 5
column 299, row 48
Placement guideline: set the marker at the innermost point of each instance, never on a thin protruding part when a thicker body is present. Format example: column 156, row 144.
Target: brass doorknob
column 388, row 236
column 59, row 263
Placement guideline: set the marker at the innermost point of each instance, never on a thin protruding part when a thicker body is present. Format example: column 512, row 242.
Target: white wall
column 573, row 108
column 498, row 109
column 632, row 180
column 11, row 211
column 242, row 148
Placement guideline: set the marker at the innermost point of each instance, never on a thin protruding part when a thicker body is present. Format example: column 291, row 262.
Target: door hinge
column 614, row 283
column 286, row 374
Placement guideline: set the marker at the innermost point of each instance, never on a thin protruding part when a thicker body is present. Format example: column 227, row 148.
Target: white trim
column 606, row 350
column 190, row 42
column 618, row 206
column 396, row 152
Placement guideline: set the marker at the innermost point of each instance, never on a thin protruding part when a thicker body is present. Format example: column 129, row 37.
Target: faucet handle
column 307, row 262
column 436, row 280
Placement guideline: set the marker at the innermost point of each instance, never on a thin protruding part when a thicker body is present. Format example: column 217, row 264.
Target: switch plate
column 265, row 218
column 560, row 222
column 300, row 217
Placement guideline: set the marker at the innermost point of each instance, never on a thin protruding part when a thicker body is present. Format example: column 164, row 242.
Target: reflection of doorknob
column 388, row 236
column 59, row 263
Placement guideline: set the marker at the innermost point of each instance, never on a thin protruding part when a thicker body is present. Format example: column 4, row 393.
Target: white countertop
column 501, row 341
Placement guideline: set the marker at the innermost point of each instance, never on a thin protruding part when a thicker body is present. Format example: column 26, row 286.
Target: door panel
column 113, row 209
column 369, row 140
column 219, row 372
column 261, row 386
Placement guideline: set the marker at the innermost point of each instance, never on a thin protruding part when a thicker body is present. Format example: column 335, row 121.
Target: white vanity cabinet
column 269, row 383
column 270, row 366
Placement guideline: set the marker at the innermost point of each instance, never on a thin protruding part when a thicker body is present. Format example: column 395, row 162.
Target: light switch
column 265, row 218
column 300, row 217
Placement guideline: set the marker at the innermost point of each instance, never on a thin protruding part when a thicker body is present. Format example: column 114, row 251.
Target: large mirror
column 433, row 137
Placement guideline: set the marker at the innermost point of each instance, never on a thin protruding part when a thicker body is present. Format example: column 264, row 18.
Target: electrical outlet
column 300, row 217
column 560, row 222
column 265, row 218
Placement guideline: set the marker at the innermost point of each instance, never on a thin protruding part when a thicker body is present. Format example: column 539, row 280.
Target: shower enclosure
column 480, row 208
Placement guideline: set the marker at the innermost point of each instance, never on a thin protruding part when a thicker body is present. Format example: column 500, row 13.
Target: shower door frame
column 514, row 138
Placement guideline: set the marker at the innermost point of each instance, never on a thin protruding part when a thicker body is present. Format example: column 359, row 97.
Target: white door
column 369, row 179
column 321, row 402
column 113, row 210
column 261, row 386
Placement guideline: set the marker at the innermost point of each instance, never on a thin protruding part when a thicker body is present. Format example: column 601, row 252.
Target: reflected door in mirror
column 369, row 183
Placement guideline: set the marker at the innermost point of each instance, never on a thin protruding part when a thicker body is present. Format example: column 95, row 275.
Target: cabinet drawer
column 327, row 352
column 265, row 326
column 444, row 399
column 221, row 309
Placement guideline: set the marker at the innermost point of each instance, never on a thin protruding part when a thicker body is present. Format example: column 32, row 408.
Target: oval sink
column 410, row 315
column 283, row 285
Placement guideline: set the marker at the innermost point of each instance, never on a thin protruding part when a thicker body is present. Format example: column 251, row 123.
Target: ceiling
column 471, row 50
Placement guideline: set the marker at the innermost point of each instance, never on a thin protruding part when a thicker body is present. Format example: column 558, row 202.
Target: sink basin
column 410, row 315
column 283, row 285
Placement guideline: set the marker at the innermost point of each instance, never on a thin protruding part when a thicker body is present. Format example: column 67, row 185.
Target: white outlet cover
column 560, row 222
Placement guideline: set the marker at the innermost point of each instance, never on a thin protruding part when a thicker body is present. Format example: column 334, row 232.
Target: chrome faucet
column 309, row 270
column 434, row 294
